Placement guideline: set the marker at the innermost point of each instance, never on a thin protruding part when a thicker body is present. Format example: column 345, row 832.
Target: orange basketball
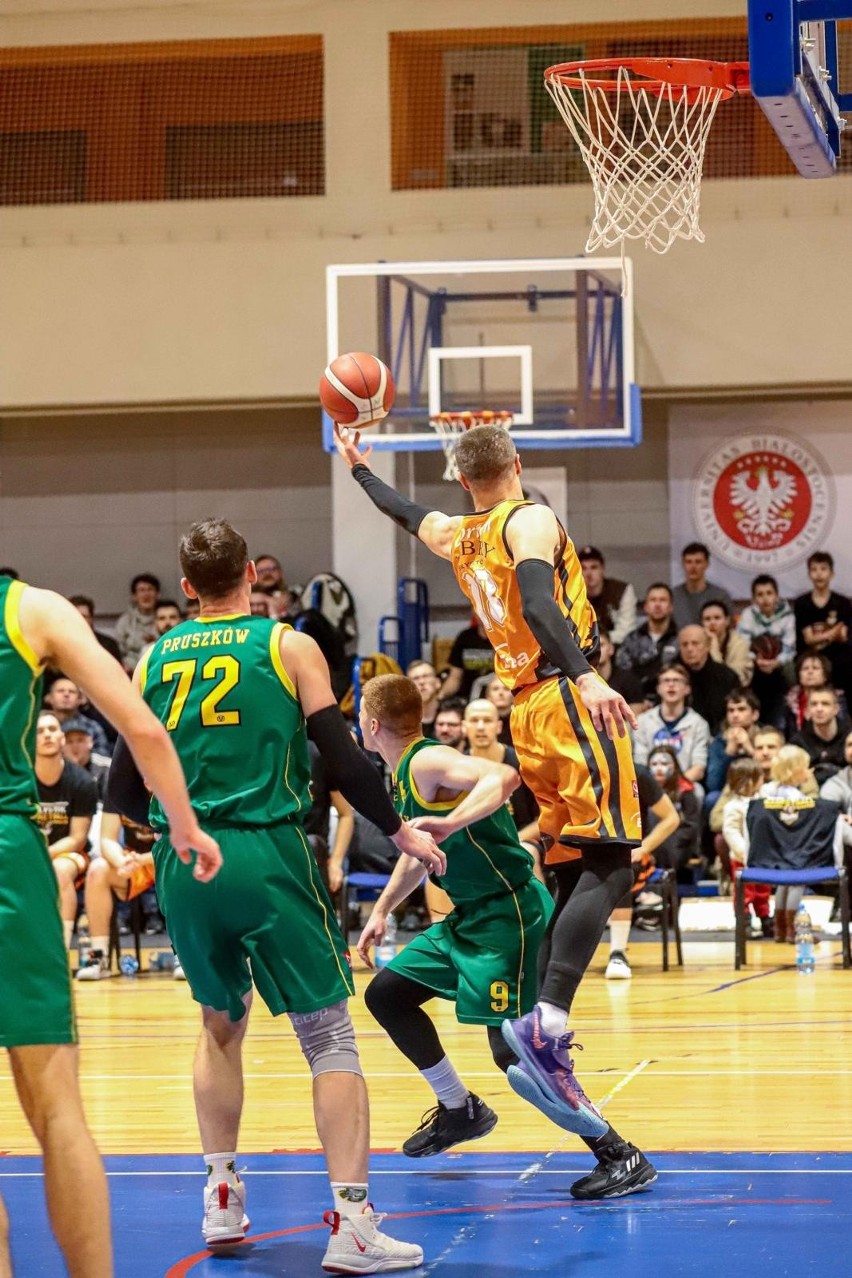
column 356, row 389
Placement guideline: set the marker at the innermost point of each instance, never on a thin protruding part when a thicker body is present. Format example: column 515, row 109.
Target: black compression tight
column 588, row 890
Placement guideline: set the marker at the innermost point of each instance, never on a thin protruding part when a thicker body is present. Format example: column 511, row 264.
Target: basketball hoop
column 451, row 426
column 642, row 125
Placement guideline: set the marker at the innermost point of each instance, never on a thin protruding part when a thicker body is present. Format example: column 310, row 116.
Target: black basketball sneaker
column 442, row 1128
column 622, row 1169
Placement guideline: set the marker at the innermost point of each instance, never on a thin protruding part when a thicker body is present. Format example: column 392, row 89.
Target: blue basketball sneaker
column 546, row 1076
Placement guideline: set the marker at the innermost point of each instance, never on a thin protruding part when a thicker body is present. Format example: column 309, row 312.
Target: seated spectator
column 260, row 603
column 500, row 696
column 695, row 590
column 726, row 646
column 167, row 615
column 425, row 677
column 80, row 749
column 653, row 644
column 735, row 740
column 614, row 601
column 470, row 656
column 449, row 723
column 674, row 724
column 317, row 822
column 68, row 799
column 745, row 778
column 270, row 582
column 839, row 787
column 710, row 680
column 813, row 671
column 824, row 620
column 66, row 700
column 86, row 608
column 482, row 733
column 768, row 615
column 823, row 736
column 623, row 681
column 191, row 610
column 135, row 628
column 681, row 851
column 765, row 746
column 124, row 869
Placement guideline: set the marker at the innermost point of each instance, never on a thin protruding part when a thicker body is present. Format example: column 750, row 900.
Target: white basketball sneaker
column 618, row 968
column 225, row 1221
column 357, row 1247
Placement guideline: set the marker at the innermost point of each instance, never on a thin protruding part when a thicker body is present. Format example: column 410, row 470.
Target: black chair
column 666, row 882
column 793, row 877
column 354, row 889
column 137, row 922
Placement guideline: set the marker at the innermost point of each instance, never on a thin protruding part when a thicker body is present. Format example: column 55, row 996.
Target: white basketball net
column 451, row 426
column 644, row 149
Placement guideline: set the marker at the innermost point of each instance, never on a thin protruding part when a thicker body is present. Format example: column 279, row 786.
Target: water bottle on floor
column 805, row 956
column 128, row 965
column 386, row 950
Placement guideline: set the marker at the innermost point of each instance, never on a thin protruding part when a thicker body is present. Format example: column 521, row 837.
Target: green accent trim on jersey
column 20, row 680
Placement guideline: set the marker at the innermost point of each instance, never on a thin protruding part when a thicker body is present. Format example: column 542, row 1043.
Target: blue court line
column 741, row 980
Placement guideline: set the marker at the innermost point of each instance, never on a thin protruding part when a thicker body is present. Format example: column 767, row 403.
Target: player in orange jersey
column 518, row 567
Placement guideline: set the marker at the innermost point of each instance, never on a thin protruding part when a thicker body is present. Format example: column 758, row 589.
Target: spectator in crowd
column 66, row 701
column 674, row 724
column 791, row 779
column 734, row 741
column 813, row 670
column 623, row 681
column 681, row 851
column 482, row 733
column 470, row 657
column 765, row 746
column 318, row 822
column 614, row 601
column 270, row 582
column 191, row 610
column 449, row 723
column 769, row 614
column 68, row 799
column 726, row 645
column 425, row 677
column 745, row 779
column 695, row 590
column 653, row 644
column 135, row 628
column 823, row 620
column 86, row 608
column 839, row 787
column 167, row 615
column 260, row 603
column 711, row 681
column 500, row 696
column 124, row 869
column 823, row 735
column 80, row 749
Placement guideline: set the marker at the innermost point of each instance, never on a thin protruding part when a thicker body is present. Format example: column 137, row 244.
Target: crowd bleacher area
column 721, row 690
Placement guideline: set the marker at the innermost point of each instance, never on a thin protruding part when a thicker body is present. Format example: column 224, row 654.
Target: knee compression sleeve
column 327, row 1040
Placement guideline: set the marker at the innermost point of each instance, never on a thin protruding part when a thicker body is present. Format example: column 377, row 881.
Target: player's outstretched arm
column 433, row 528
column 58, row 634
column 407, row 875
column 488, row 787
column 534, row 538
column 350, row 770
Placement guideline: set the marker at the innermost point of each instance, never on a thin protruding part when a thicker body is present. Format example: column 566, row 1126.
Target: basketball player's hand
column 373, row 934
column 348, row 443
column 208, row 858
column 607, row 707
column 438, row 827
column 422, row 847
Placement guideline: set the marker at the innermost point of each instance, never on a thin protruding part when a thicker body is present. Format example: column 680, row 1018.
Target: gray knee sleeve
column 327, row 1040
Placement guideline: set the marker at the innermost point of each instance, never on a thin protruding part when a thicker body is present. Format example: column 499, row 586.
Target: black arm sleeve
column 402, row 511
column 350, row 771
column 125, row 787
column 542, row 615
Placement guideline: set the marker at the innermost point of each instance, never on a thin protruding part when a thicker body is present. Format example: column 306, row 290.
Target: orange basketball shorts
column 584, row 783
column 141, row 879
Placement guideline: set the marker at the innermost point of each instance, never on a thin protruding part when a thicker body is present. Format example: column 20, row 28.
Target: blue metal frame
column 802, row 106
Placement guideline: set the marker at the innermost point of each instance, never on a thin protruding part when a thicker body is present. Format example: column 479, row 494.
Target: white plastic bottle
column 386, row 950
column 805, row 956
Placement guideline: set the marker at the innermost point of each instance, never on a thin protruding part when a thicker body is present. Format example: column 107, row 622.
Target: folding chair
column 666, row 881
column 137, row 919
column 356, row 888
column 821, row 874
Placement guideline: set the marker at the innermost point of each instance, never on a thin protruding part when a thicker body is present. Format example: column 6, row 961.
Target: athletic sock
column 619, row 935
column 221, row 1167
column 100, row 943
column 446, row 1084
column 349, row 1199
column 554, row 1020
column 68, row 929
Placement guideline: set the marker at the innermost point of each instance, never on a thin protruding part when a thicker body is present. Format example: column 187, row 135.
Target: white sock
column 446, row 1084
column 100, row 943
column 554, row 1020
column 619, row 935
column 68, row 929
column 221, row 1167
column 349, row 1199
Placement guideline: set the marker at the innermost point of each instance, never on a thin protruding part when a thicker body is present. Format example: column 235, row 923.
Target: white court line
column 485, row 1171
column 628, row 1078
column 409, row 1074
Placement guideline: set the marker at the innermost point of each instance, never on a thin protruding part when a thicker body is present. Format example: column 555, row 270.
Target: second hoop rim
column 658, row 74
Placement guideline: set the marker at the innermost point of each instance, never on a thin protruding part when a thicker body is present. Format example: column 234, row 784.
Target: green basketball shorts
column 484, row 955
column 265, row 919
column 38, row 1007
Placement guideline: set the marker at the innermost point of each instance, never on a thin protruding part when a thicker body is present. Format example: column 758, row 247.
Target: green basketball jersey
column 20, row 680
column 231, row 710
column 485, row 858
